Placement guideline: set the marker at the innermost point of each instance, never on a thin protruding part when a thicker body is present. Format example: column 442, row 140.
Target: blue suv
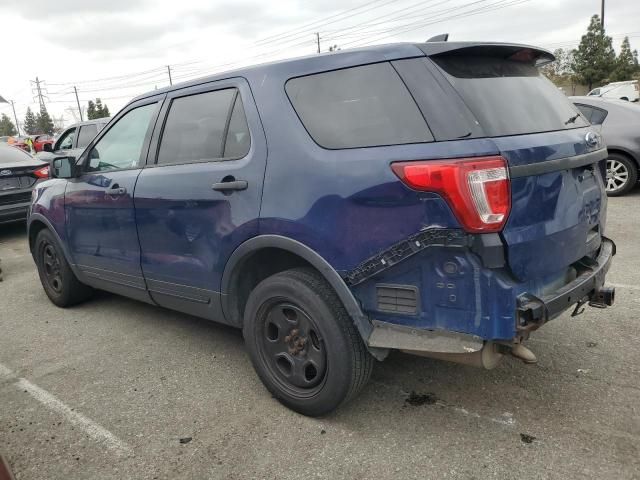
column 442, row 199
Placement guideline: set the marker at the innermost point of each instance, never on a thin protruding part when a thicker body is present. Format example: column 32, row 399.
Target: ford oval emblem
column 592, row 139
column 4, row 173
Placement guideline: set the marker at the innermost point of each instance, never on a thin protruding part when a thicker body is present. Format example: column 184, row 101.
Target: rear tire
column 58, row 280
column 622, row 175
column 303, row 344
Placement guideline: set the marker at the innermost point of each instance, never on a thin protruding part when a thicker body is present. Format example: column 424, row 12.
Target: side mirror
column 64, row 167
column 47, row 147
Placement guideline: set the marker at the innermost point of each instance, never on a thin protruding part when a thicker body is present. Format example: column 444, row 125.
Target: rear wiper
column 572, row 119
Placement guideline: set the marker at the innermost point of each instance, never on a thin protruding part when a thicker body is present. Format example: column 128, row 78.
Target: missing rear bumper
column 533, row 311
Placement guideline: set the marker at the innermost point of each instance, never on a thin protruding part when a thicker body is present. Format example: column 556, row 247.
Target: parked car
column 74, row 139
column 628, row 90
column 442, row 199
column 39, row 142
column 19, row 173
column 619, row 123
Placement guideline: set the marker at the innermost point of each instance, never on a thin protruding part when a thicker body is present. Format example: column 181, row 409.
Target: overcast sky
column 116, row 49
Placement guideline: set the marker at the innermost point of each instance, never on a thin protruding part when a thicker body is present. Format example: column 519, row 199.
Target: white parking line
column 622, row 285
column 91, row 428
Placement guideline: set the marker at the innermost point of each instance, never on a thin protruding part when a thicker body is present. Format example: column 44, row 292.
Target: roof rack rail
column 443, row 37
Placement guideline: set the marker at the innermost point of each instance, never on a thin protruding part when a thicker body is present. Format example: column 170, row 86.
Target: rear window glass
column 358, row 107
column 509, row 97
column 10, row 154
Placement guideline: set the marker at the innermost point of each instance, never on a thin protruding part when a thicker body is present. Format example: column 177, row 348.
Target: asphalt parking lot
column 119, row 389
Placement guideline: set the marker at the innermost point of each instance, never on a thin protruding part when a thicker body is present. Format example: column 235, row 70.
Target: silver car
column 619, row 122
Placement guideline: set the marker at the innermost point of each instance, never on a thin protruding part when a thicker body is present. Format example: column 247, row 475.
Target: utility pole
column 39, row 93
column 13, row 106
column 602, row 14
column 78, row 102
column 318, row 39
column 169, row 72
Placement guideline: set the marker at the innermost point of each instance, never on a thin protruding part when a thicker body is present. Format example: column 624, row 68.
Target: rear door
column 199, row 197
column 100, row 217
column 558, row 200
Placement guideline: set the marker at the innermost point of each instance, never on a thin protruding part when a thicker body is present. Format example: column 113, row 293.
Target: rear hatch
column 554, row 157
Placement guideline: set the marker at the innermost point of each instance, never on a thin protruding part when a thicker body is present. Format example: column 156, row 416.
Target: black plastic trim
column 565, row 163
column 361, row 321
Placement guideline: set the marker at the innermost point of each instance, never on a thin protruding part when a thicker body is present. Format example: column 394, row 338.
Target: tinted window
column 65, row 142
column 586, row 111
column 598, row 116
column 121, row 146
column 195, row 127
column 238, row 139
column 86, row 134
column 358, row 107
column 509, row 97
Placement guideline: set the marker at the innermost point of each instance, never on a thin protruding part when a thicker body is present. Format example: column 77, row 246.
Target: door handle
column 116, row 190
column 230, row 185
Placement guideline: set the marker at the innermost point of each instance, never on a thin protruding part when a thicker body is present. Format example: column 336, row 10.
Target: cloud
column 107, row 33
column 68, row 8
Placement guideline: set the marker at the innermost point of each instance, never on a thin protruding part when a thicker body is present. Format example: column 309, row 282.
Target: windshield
column 509, row 97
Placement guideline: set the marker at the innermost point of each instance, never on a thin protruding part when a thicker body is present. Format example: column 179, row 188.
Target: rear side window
column 205, row 126
column 358, row 107
column 595, row 115
column 509, row 97
column 86, row 134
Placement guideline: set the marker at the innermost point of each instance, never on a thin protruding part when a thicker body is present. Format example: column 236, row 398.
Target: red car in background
column 39, row 141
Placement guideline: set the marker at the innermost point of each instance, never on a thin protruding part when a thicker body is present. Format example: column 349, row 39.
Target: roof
column 359, row 56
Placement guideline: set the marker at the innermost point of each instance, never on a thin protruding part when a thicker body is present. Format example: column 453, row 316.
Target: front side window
column 358, row 107
column 205, row 126
column 86, row 134
column 121, row 146
column 66, row 140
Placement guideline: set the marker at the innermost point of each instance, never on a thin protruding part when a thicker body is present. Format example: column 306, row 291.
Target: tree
column 6, row 126
column 44, row 122
column 626, row 63
column 91, row 110
column 97, row 110
column 594, row 58
column 30, row 123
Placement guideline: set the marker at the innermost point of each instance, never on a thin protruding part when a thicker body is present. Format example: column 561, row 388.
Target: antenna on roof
column 443, row 37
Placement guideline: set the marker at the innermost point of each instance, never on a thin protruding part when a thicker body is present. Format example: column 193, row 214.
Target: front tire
column 58, row 280
column 302, row 343
column 622, row 175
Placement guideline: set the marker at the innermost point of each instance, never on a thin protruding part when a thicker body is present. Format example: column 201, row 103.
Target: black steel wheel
column 291, row 347
column 58, row 280
column 302, row 343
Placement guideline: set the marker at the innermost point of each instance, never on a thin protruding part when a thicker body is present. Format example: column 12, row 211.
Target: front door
column 200, row 196
column 100, row 216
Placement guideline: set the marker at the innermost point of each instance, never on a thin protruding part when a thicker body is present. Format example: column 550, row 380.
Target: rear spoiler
column 524, row 53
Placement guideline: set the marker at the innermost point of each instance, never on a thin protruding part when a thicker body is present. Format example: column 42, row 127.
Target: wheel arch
column 276, row 253
column 35, row 225
column 625, row 153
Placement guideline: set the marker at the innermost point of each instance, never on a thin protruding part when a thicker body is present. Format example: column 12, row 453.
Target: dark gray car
column 19, row 172
column 74, row 139
column 619, row 122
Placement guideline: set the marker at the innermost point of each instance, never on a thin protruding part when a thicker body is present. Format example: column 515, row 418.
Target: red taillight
column 477, row 189
column 42, row 172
